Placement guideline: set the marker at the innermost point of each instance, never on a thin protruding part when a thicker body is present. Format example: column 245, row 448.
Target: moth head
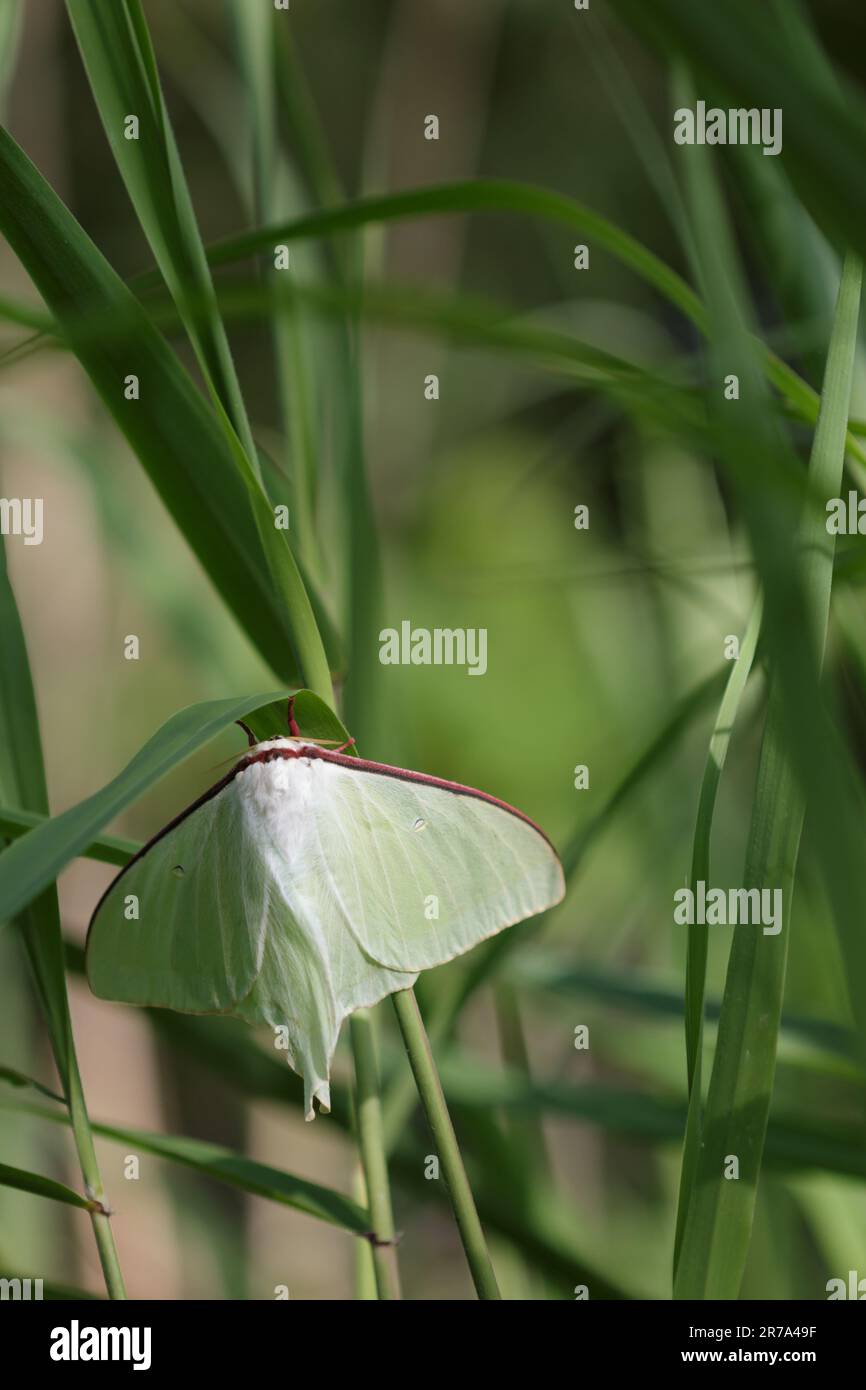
column 275, row 749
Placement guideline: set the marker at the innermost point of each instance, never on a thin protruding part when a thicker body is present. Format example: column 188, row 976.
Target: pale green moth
column 307, row 884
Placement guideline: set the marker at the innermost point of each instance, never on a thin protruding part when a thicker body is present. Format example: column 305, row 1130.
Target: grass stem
column 435, row 1108
column 100, row 1220
column 372, row 1146
column 364, row 1273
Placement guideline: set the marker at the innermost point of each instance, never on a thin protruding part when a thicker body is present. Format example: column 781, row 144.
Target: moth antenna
column 248, row 731
column 293, row 725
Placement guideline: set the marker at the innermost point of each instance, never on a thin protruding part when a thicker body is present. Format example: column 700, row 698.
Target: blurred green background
column 594, row 639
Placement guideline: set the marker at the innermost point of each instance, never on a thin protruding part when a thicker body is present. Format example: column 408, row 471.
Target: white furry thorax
column 276, row 803
column 277, row 787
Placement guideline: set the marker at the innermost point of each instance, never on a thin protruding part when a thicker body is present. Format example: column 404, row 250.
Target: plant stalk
column 366, row 1290
column 42, row 950
column 372, row 1145
column 100, row 1221
column 435, row 1107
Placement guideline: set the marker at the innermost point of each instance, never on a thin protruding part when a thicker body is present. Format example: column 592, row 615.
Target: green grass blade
column 717, row 1229
column 190, row 459
column 254, row 31
column 274, row 194
column 22, row 778
column 498, row 195
column 343, row 264
column 259, row 1179
column 121, row 67
column 482, row 195
column 463, row 319
column 224, row 1165
column 26, row 317
column 800, row 265
column 105, row 849
column 18, row 1078
column 525, row 199
column 624, row 95
column 23, row 1181
column 698, row 942
column 254, row 28
column 737, row 47
column 309, row 142
column 670, row 399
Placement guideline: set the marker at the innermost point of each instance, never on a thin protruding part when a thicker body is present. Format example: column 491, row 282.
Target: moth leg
column 293, row 723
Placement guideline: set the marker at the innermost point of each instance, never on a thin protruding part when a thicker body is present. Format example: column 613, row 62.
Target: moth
column 308, row 883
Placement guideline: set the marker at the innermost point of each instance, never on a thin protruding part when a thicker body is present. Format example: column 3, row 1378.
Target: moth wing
column 313, row 975
column 313, row 972
column 183, row 926
column 421, row 873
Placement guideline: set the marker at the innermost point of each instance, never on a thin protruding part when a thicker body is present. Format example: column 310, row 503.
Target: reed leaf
column 717, row 1226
